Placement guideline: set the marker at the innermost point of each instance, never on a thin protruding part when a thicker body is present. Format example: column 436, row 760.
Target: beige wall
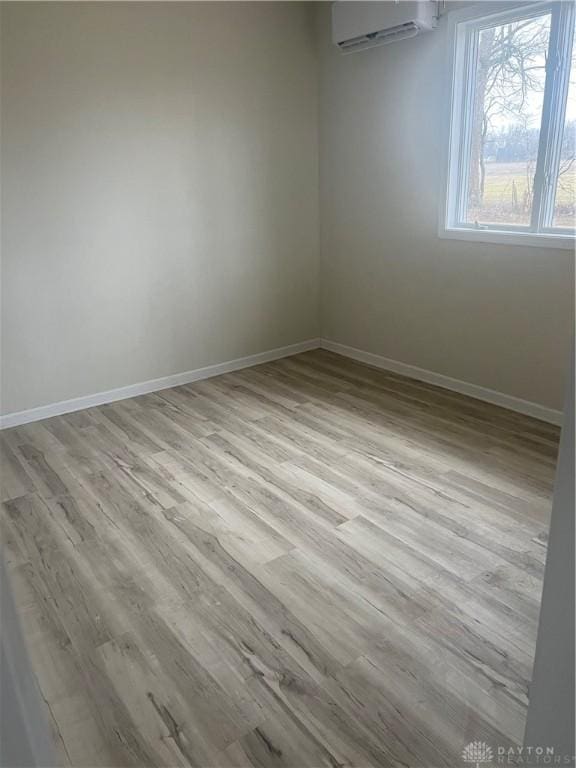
column 160, row 187
column 499, row 317
column 160, row 205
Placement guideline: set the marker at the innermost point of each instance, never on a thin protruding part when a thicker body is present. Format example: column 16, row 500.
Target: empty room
column 287, row 384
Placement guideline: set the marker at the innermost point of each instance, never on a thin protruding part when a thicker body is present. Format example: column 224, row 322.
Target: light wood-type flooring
column 306, row 563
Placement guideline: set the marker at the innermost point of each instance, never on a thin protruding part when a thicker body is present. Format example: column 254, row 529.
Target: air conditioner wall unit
column 360, row 25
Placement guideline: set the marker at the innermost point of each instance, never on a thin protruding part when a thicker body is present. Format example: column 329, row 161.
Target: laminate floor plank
column 307, row 563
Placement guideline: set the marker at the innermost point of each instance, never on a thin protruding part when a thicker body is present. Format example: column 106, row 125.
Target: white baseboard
column 145, row 387
column 446, row 382
column 154, row 385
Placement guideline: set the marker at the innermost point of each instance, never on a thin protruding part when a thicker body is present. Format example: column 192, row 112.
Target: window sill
column 501, row 237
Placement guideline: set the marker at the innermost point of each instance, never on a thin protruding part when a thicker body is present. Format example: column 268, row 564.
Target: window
column 512, row 158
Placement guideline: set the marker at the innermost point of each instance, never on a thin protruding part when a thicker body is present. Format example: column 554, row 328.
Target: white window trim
column 456, row 61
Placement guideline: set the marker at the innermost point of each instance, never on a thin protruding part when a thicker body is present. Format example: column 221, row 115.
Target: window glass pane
column 565, row 199
column 505, row 121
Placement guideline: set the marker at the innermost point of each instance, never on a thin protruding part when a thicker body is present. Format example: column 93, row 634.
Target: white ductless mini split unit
column 360, row 25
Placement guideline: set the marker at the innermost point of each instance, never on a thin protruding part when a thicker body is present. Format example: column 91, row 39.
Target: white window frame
column 462, row 34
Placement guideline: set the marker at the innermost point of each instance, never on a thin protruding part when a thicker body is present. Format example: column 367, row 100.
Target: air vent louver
column 357, row 26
